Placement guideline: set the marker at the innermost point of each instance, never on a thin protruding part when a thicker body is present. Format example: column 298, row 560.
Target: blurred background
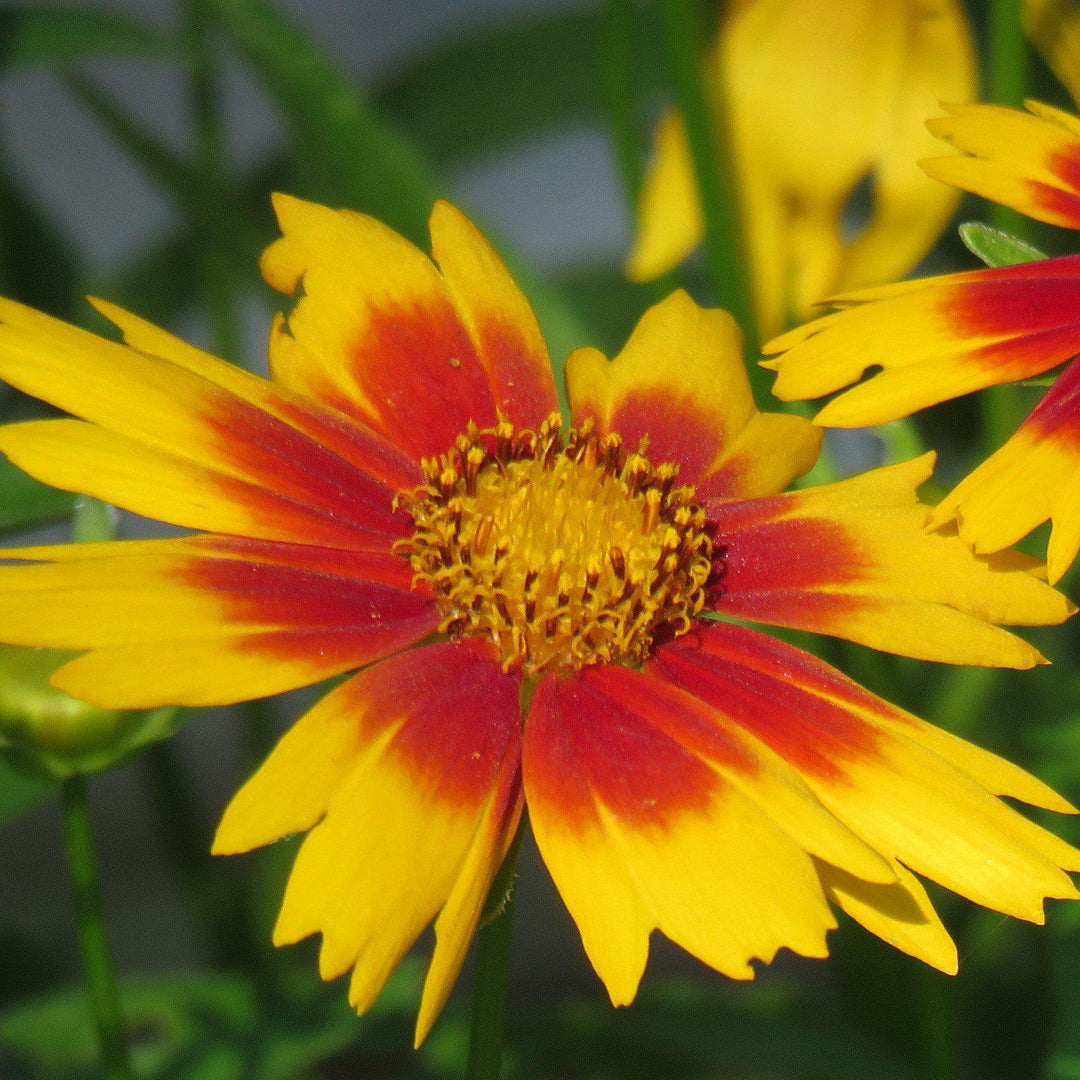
column 115, row 180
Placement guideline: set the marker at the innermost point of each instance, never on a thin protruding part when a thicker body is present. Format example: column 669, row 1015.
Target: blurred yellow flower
column 821, row 96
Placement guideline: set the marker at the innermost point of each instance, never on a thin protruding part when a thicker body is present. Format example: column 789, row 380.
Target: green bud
column 45, row 732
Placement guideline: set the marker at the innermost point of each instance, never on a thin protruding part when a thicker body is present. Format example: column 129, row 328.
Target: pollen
column 561, row 548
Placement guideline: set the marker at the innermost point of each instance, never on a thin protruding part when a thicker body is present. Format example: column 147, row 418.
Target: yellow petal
column 680, row 384
column 900, row 914
column 669, row 222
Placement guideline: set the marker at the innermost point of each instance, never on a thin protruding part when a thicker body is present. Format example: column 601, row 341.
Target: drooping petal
column 670, row 222
column 1053, row 27
column 935, row 339
column 186, row 438
column 908, row 214
column 381, row 334
column 649, row 817
column 1027, row 160
column 413, row 774
column 854, row 559
column 680, row 383
column 208, row 620
column 1034, row 477
column 909, row 795
column 899, row 913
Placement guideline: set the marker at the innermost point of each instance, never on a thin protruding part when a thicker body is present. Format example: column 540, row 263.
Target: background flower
column 820, row 98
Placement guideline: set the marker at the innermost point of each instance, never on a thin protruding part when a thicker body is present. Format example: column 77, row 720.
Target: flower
column 529, row 605
column 821, row 96
column 942, row 337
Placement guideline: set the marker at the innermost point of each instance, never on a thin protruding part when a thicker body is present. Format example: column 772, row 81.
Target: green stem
column 620, row 98
column 210, row 148
column 710, row 147
column 492, row 966
column 100, row 980
column 617, row 67
column 1007, row 69
column 937, row 1035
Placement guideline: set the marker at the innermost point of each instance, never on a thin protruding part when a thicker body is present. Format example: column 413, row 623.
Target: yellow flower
column 532, row 606
column 821, row 96
column 943, row 337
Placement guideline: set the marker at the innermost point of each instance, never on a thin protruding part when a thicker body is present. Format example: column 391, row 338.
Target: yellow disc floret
column 562, row 550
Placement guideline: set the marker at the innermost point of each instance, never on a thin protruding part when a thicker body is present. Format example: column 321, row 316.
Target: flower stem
column 492, row 966
column 100, row 980
column 210, row 148
column 1007, row 68
column 710, row 147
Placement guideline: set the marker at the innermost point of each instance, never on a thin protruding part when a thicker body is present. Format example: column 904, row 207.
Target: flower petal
column 1029, row 161
column 380, row 334
column 680, row 383
column 853, row 559
column 823, row 97
column 217, row 447
column 1053, row 27
column 909, row 213
column 670, row 223
column 641, row 831
column 208, row 620
column 500, row 322
column 876, row 770
column 935, row 339
column 899, row 913
column 417, row 820
column 1031, row 479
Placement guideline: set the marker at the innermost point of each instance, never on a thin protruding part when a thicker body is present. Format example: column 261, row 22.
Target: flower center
column 561, row 549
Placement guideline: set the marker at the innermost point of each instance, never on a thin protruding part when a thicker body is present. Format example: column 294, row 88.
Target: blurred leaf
column 214, row 211
column 25, row 501
column 498, row 85
column 210, row 1027
column 685, row 1029
column 997, row 248
column 159, row 283
column 38, row 264
column 353, row 157
column 18, row 794
column 36, row 34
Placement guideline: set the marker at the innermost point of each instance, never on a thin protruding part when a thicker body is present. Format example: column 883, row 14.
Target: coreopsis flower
column 820, row 97
column 942, row 337
column 532, row 605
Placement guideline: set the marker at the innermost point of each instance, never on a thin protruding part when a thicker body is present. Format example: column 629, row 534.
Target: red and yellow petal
column 854, row 559
column 497, row 316
column 211, row 442
column 680, row 384
column 379, row 333
column 411, row 778
column 208, row 620
column 1034, row 477
column 1027, row 160
column 913, row 797
column 934, row 339
column 648, row 818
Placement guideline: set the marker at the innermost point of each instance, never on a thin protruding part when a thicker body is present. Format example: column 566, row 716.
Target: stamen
column 561, row 549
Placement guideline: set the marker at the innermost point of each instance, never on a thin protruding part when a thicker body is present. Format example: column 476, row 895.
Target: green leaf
column 36, row 34
column 25, row 501
column 997, row 248
column 353, row 157
column 213, row 1027
column 20, row 794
